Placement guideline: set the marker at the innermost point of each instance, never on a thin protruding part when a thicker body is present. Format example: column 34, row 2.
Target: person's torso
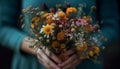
column 52, row 3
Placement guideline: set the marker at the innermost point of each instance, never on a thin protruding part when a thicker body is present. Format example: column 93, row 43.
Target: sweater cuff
column 11, row 38
column 19, row 42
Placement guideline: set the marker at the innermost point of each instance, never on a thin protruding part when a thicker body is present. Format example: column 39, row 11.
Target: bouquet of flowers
column 64, row 27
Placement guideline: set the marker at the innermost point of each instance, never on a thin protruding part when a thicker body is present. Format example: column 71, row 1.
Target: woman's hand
column 71, row 62
column 49, row 60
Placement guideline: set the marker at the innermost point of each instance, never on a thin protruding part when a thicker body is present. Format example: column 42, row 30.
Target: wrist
column 25, row 46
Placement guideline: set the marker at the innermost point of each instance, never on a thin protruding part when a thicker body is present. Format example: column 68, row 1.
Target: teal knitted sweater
column 11, row 35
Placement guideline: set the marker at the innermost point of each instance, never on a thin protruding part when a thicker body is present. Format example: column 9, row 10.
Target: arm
column 12, row 37
column 10, row 34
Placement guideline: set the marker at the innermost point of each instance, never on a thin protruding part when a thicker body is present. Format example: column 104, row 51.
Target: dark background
column 111, row 56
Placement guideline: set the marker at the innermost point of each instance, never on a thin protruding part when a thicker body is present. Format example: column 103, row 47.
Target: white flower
column 55, row 17
column 47, row 30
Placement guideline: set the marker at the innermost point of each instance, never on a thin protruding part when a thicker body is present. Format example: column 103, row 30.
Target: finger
column 40, row 59
column 71, row 59
column 55, row 58
column 71, row 65
column 42, row 62
column 53, row 65
column 70, row 52
column 42, row 54
column 52, row 56
column 47, row 60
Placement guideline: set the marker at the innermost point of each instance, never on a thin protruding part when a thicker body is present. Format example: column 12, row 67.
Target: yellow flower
column 61, row 14
column 55, row 44
column 60, row 35
column 88, row 19
column 71, row 10
column 48, row 29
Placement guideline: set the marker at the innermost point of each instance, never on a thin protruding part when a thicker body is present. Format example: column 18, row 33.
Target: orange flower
column 47, row 15
column 62, row 46
column 60, row 35
column 96, row 50
column 49, row 21
column 88, row 29
column 71, row 10
column 35, row 20
column 91, row 53
column 61, row 14
column 55, row 44
column 82, row 48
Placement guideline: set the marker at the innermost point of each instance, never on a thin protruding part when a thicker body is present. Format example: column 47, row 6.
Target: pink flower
column 78, row 21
